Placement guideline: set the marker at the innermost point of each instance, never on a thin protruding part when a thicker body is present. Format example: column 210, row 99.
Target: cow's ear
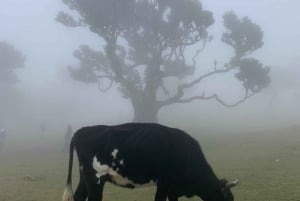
column 231, row 184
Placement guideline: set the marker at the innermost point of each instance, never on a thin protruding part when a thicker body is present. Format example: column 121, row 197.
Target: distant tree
column 10, row 60
column 146, row 41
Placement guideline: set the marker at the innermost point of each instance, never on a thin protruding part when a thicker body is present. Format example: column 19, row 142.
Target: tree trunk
column 145, row 111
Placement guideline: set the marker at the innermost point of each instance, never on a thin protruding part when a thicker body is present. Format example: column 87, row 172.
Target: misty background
column 45, row 91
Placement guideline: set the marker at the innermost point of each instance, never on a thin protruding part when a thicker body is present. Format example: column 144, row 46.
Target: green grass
column 251, row 157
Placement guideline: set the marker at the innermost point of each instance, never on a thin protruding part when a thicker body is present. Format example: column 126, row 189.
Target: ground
column 267, row 164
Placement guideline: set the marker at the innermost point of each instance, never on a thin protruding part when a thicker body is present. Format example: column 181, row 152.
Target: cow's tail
column 68, row 192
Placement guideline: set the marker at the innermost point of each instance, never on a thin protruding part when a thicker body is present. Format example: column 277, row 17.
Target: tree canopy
column 147, row 41
column 10, row 60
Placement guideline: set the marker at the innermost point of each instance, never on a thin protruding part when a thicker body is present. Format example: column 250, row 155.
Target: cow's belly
column 104, row 170
column 120, row 180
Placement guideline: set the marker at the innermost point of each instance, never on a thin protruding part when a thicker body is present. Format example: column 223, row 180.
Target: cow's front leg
column 94, row 185
column 172, row 197
column 161, row 192
column 95, row 192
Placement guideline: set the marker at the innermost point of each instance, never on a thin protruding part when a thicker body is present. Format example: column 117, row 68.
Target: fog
column 45, row 91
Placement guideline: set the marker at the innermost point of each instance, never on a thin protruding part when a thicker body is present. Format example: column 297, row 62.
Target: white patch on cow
column 81, row 168
column 123, row 181
column 114, row 153
column 101, row 169
column 118, row 179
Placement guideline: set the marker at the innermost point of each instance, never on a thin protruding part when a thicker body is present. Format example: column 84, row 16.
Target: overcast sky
column 29, row 25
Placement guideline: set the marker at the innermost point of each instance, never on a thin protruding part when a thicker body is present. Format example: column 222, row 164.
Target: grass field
column 267, row 164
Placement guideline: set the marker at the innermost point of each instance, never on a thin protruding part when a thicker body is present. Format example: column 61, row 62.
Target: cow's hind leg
column 81, row 191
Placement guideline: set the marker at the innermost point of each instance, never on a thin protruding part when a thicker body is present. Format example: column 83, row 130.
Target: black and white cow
column 136, row 154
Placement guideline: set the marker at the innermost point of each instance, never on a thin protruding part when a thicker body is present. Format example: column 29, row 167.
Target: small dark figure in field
column 2, row 138
column 68, row 137
column 137, row 154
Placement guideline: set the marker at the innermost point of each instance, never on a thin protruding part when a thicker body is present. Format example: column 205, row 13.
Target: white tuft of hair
column 68, row 193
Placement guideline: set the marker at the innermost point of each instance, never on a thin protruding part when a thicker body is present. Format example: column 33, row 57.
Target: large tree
column 10, row 60
column 148, row 41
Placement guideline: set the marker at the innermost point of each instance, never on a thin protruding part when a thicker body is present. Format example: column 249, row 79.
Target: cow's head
column 220, row 192
column 225, row 189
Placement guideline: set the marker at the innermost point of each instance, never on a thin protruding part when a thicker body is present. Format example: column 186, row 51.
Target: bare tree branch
column 198, row 51
column 247, row 96
column 164, row 89
column 196, row 81
column 203, row 97
column 180, row 89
